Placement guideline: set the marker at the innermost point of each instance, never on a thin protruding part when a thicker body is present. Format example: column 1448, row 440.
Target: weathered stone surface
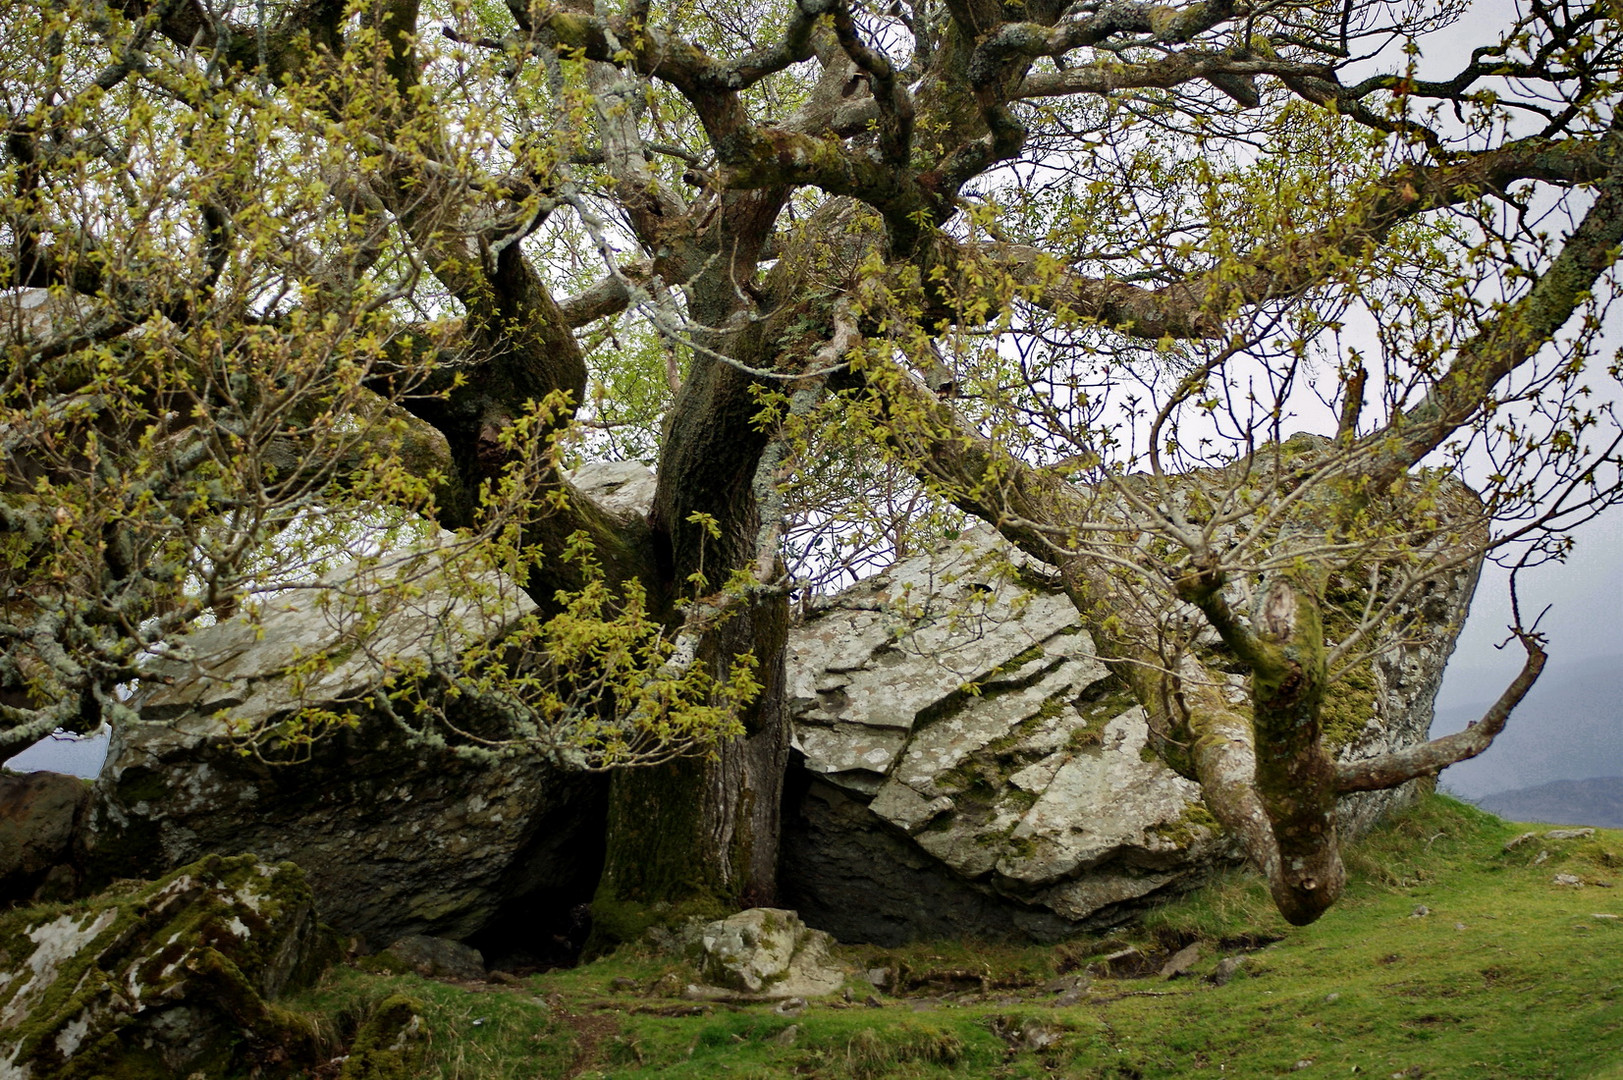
column 173, row 978
column 436, row 957
column 39, row 813
column 395, row 839
column 767, row 954
column 1029, row 805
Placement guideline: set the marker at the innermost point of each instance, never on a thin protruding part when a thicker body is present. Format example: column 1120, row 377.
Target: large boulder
column 39, row 813
column 971, row 766
column 174, row 978
column 395, row 837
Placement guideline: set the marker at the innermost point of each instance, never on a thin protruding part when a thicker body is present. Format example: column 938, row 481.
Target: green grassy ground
column 1506, row 974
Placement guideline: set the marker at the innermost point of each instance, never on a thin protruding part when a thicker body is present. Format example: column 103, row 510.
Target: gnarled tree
column 840, row 271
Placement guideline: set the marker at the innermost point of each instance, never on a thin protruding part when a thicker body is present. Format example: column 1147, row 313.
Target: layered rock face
column 972, row 767
column 395, row 839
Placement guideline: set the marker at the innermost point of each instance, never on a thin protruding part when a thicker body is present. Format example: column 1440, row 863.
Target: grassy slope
column 1508, row 975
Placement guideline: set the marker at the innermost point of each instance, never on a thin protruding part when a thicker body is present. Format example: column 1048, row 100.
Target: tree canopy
column 295, row 280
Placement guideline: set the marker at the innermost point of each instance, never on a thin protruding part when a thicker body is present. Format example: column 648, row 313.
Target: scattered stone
column 1603, row 916
column 1305, row 1063
column 1330, row 999
column 1181, row 961
column 880, row 977
column 1516, row 842
column 178, row 976
column 1420, row 912
column 1569, row 834
column 439, row 958
column 1540, row 857
column 624, row 984
column 787, row 1037
column 1071, row 997
column 767, row 954
column 1024, row 1033
column 1570, row 880
column 1117, row 963
column 790, row 1006
column 1459, row 926
column 1226, row 968
column 873, row 1002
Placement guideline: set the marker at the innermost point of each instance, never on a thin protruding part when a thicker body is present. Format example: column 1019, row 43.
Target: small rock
column 1181, row 961
column 787, row 1036
column 1332, row 998
column 1569, row 834
column 1603, row 916
column 768, row 953
column 1070, row 998
column 1305, row 1063
column 1116, row 962
column 879, row 977
column 1569, row 880
column 623, row 984
column 790, row 1006
column 1420, row 912
column 1516, row 842
column 1459, row 926
column 1540, row 857
column 873, row 1002
column 439, row 958
column 1226, row 968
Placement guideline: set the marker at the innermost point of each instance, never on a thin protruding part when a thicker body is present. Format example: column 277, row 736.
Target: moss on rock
column 166, row 978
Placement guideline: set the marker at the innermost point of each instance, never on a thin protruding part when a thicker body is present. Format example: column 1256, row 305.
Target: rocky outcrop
column 39, row 813
column 174, row 978
column 970, row 766
column 395, row 838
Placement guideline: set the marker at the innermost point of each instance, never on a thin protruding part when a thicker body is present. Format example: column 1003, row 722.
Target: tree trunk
column 699, row 836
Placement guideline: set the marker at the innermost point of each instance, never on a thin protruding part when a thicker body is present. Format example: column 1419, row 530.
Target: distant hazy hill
column 1597, row 801
column 1569, row 727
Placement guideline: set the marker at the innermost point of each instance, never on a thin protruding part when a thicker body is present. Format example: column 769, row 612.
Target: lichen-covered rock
column 766, row 954
column 39, row 813
column 171, row 978
column 972, row 766
column 394, row 838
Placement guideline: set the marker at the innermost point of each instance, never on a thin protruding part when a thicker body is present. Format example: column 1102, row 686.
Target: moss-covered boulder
column 167, row 979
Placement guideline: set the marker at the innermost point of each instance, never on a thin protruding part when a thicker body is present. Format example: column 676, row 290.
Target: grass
column 1505, row 974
